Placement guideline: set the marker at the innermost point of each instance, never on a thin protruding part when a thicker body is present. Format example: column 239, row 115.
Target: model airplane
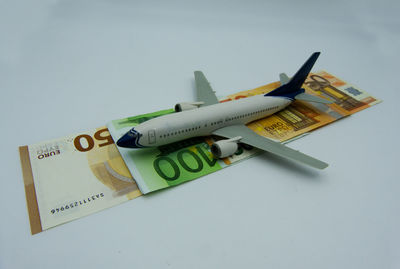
column 209, row 117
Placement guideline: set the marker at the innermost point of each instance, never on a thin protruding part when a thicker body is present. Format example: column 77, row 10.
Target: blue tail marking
column 293, row 87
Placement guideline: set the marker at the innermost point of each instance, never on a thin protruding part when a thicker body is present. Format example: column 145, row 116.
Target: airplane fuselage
column 227, row 119
column 204, row 120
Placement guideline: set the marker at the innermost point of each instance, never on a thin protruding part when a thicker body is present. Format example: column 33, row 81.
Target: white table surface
column 69, row 66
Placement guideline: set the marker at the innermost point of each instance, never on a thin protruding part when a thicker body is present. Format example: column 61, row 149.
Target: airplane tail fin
column 293, row 87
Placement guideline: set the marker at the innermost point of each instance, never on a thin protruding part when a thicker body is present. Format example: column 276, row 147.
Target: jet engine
column 225, row 148
column 187, row 106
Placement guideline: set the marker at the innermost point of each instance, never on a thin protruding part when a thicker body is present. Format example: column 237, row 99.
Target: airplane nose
column 127, row 140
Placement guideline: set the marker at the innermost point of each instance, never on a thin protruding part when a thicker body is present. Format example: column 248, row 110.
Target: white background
column 70, row 66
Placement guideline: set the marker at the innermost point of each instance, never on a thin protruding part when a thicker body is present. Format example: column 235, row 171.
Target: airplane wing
column 204, row 91
column 251, row 138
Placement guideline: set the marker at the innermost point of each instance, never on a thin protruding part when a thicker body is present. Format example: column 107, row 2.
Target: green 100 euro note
column 158, row 168
column 170, row 165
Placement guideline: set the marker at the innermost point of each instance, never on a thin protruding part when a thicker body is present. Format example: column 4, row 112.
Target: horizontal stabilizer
column 312, row 98
column 283, row 78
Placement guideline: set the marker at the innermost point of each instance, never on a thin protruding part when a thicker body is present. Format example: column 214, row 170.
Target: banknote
column 74, row 176
column 300, row 117
column 162, row 167
column 77, row 175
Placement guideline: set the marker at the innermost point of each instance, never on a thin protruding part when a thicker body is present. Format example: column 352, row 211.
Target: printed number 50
column 99, row 135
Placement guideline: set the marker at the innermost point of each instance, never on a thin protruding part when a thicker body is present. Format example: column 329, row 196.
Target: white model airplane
column 209, row 117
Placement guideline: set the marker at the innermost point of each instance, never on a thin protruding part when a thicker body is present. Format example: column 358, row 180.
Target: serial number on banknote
column 77, row 203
